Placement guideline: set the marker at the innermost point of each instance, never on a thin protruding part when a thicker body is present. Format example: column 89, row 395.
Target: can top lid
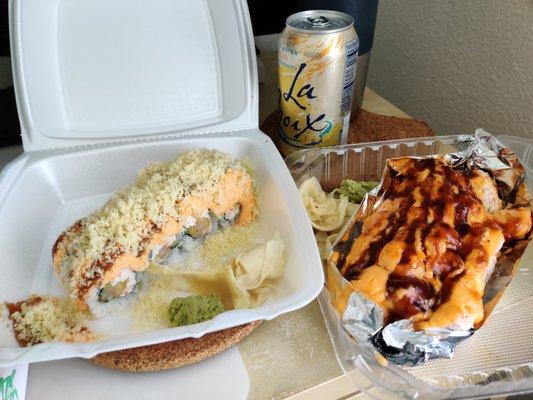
column 320, row 21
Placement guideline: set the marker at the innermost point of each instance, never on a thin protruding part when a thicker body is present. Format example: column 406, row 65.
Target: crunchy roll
column 171, row 204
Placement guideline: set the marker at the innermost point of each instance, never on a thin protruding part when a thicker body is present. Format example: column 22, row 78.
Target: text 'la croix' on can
column 317, row 58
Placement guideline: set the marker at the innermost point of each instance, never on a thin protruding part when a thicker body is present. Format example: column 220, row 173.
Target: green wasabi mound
column 193, row 309
column 354, row 190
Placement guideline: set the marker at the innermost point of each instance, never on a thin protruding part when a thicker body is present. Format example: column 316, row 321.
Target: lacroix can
column 317, row 58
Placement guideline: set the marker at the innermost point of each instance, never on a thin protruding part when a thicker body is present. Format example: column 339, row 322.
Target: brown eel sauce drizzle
column 17, row 307
column 444, row 185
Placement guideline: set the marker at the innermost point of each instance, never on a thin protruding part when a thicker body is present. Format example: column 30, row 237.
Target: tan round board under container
column 174, row 354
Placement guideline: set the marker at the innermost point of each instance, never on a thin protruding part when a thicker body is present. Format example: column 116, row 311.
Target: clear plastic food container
column 522, row 147
column 497, row 359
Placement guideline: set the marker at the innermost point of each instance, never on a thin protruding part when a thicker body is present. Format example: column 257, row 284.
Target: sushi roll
column 101, row 257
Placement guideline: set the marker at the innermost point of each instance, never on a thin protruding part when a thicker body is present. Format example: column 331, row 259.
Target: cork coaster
column 367, row 127
column 174, row 354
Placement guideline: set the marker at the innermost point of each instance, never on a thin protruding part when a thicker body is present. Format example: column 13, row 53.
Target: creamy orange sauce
column 429, row 244
column 338, row 289
column 372, row 282
column 516, row 222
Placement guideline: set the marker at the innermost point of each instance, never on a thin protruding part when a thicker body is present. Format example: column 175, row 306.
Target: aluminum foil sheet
column 398, row 341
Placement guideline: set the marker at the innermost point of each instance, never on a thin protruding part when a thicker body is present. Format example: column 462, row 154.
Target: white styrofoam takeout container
column 105, row 87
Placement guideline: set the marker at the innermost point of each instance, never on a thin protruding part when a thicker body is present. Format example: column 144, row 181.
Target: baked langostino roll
column 430, row 241
column 101, row 256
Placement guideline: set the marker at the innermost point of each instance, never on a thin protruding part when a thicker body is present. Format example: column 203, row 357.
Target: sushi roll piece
column 101, row 257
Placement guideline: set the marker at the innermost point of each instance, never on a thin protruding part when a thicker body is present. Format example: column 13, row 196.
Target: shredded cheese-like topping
column 124, row 221
column 42, row 320
column 221, row 247
column 150, row 307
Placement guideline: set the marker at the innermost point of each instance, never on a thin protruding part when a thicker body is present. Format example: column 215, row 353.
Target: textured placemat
column 174, row 354
column 367, row 127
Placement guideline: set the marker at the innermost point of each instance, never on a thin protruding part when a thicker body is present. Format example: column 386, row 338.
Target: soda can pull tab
column 318, row 21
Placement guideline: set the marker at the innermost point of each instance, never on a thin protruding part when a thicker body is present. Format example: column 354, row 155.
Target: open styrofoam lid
column 94, row 71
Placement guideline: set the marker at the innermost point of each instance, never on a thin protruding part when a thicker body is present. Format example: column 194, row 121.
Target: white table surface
column 223, row 374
